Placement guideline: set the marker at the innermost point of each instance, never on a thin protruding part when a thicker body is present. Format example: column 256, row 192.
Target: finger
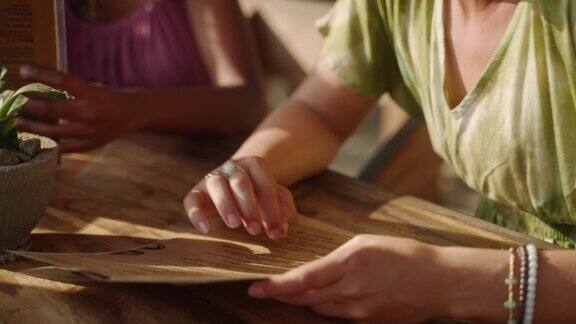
column 53, row 78
column 265, row 190
column 52, row 111
column 39, row 110
column 340, row 310
column 198, row 210
column 219, row 191
column 359, row 309
column 345, row 289
column 287, row 207
column 314, row 275
column 329, row 294
column 243, row 191
column 54, row 131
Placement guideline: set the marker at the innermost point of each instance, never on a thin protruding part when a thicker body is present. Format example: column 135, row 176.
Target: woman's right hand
column 244, row 193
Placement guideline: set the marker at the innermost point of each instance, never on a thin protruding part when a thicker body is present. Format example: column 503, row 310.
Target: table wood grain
column 131, row 191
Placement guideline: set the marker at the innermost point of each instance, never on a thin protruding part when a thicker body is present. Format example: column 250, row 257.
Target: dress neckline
column 127, row 20
column 460, row 109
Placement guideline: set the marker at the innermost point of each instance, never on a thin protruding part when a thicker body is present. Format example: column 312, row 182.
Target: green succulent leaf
column 8, row 132
column 17, row 105
column 3, row 71
column 7, row 123
column 4, row 99
column 15, row 98
column 43, row 89
column 11, row 103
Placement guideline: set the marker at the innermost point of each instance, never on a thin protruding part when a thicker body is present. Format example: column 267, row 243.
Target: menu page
column 231, row 256
column 32, row 32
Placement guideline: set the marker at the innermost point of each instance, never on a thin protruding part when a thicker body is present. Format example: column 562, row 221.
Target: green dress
column 513, row 137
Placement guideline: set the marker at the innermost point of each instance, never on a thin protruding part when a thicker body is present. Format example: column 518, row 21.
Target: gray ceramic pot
column 25, row 191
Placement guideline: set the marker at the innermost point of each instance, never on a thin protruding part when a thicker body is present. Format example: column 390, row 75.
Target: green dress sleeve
column 358, row 48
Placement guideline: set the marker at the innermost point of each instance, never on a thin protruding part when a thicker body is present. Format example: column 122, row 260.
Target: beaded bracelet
column 532, row 280
column 522, row 283
column 510, row 281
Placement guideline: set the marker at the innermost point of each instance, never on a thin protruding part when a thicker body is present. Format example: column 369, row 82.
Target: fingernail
column 233, row 221
column 256, row 291
column 27, row 72
column 275, row 234
column 203, row 227
column 254, row 228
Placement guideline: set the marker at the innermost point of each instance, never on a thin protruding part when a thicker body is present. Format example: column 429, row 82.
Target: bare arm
column 376, row 278
column 297, row 140
column 479, row 291
column 199, row 110
column 235, row 98
column 303, row 135
column 556, row 287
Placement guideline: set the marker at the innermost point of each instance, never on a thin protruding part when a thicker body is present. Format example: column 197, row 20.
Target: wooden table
column 132, row 190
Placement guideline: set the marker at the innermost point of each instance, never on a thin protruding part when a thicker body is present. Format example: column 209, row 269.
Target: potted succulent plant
column 27, row 165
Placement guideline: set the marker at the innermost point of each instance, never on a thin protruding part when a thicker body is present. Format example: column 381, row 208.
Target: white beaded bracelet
column 532, row 280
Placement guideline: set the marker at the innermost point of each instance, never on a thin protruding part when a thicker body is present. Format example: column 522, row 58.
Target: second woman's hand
column 243, row 193
column 396, row 280
column 96, row 116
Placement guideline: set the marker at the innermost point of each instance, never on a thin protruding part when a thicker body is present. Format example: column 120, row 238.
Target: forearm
column 294, row 143
column 475, row 289
column 197, row 110
column 480, row 290
column 556, row 289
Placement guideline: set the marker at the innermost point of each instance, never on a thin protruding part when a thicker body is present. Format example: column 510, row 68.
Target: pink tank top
column 153, row 47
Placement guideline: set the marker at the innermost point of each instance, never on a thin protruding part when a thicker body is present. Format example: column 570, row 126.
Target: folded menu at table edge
column 230, row 255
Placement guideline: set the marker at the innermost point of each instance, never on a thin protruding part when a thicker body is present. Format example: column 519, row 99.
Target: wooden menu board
column 32, row 32
column 193, row 258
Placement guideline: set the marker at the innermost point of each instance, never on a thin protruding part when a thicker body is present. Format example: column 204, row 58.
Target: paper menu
column 203, row 259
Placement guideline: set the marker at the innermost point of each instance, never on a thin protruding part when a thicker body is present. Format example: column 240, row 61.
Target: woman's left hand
column 96, row 116
column 369, row 278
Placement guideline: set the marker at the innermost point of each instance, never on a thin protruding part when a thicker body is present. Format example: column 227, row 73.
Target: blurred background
column 390, row 149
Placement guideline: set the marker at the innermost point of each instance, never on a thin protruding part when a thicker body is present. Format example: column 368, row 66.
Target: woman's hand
column 390, row 279
column 368, row 278
column 245, row 195
column 95, row 117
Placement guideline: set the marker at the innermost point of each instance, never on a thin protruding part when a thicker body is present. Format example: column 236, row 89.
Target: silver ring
column 215, row 173
column 229, row 168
